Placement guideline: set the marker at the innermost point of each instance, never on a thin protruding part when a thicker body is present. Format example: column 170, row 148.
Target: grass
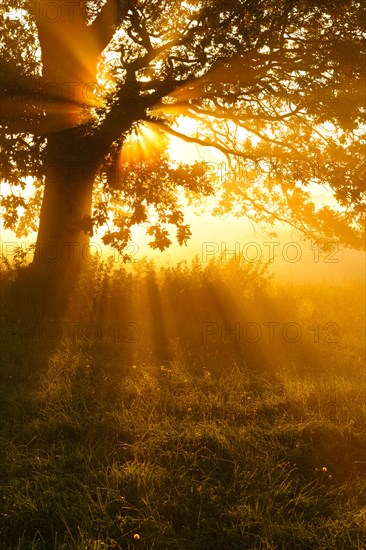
column 175, row 441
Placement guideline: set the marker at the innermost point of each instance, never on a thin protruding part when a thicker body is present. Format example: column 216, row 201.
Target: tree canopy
column 277, row 88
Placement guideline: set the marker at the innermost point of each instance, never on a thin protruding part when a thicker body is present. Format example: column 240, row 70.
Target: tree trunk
column 62, row 247
column 70, row 53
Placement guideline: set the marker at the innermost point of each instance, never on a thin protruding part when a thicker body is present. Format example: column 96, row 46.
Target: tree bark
column 62, row 247
column 70, row 52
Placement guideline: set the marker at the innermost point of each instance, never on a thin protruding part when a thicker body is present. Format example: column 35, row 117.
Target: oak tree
column 91, row 91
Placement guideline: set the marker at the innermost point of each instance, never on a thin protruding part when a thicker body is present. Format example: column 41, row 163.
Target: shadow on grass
column 153, row 409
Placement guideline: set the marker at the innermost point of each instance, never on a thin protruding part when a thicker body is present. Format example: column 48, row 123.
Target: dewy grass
column 158, row 438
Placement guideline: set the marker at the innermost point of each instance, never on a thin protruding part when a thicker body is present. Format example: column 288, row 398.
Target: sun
column 146, row 143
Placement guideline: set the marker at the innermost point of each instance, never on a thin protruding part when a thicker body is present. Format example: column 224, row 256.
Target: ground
column 149, row 426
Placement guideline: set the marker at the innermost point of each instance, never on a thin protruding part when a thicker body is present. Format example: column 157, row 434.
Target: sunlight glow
column 145, row 143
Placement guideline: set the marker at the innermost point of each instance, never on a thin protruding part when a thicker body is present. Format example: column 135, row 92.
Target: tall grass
column 141, row 421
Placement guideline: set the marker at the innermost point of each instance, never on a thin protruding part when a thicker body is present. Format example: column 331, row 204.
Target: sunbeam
column 144, row 144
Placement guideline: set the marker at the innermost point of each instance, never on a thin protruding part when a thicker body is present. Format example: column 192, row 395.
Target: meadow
column 191, row 407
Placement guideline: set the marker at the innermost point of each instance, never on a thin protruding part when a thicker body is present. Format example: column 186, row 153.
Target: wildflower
column 330, row 476
column 136, row 536
column 189, row 409
column 324, row 469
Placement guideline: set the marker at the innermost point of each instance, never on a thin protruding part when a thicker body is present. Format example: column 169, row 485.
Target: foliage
column 276, row 88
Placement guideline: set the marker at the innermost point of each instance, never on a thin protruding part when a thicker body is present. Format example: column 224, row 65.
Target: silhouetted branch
column 107, row 21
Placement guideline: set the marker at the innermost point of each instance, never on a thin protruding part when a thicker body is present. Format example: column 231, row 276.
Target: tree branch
column 107, row 21
column 203, row 142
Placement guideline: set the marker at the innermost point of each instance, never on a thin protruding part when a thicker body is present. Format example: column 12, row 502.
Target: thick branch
column 130, row 108
column 107, row 21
